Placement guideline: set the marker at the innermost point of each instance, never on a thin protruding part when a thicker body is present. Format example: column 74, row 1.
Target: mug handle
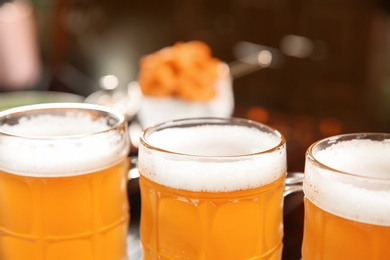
column 133, row 172
column 293, row 183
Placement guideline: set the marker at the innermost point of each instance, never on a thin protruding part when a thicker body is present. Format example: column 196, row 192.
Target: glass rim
column 20, row 110
column 311, row 155
column 210, row 121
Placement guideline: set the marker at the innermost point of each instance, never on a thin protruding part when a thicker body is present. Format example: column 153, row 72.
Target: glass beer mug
column 63, row 176
column 212, row 188
column 347, row 198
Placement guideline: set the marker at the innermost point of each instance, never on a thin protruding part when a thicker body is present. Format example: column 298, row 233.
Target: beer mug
column 63, row 177
column 347, row 198
column 212, row 188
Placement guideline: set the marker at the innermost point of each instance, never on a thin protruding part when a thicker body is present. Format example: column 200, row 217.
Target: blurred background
column 326, row 69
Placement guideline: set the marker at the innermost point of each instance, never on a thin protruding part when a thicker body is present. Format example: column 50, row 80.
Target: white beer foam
column 361, row 201
column 55, row 146
column 218, row 163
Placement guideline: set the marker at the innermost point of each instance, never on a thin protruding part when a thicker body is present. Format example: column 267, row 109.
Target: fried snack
column 185, row 70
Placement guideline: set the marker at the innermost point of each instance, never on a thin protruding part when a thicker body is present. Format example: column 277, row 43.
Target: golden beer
column 63, row 177
column 347, row 198
column 212, row 189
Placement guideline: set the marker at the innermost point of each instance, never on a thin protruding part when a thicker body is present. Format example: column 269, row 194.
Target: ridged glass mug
column 347, row 198
column 212, row 188
column 63, row 177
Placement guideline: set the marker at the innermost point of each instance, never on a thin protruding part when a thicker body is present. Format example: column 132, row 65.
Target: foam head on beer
column 51, row 145
column 216, row 158
column 361, row 191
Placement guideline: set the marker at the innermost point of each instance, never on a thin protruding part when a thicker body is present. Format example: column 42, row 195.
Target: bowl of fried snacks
column 182, row 81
